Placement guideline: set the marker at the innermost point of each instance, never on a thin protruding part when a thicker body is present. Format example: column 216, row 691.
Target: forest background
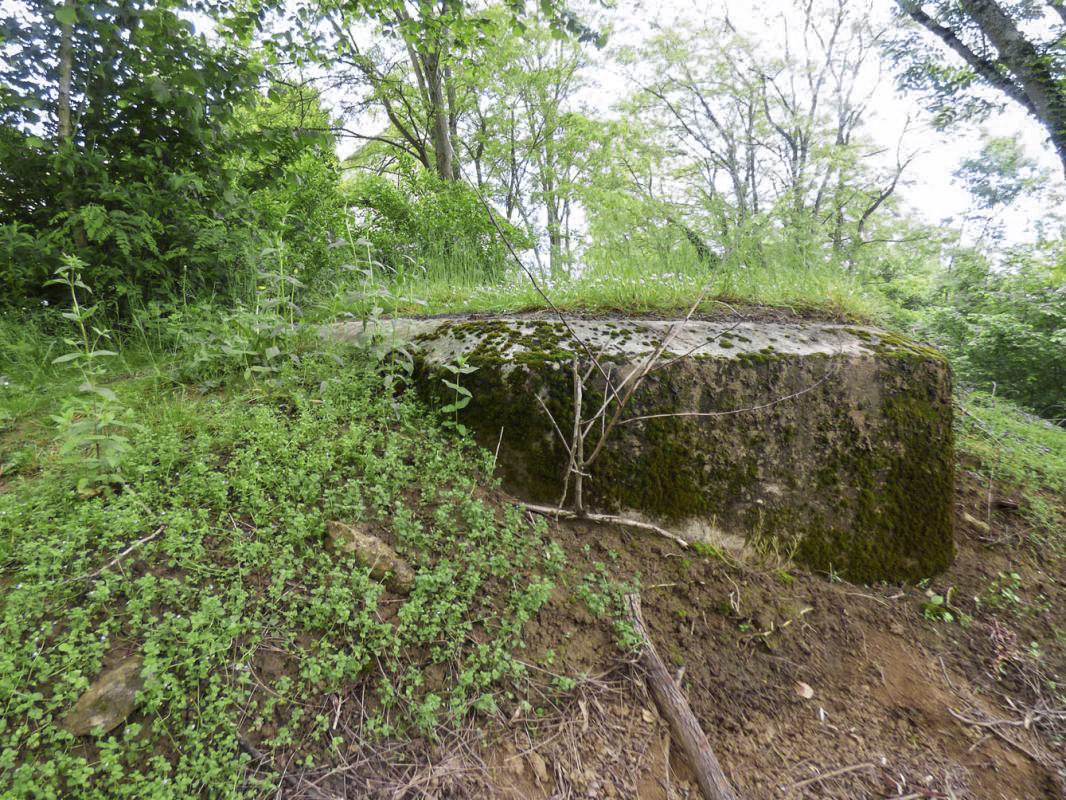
column 184, row 175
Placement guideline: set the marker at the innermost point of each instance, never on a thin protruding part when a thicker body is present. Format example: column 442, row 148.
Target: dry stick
column 631, row 382
column 641, row 373
column 117, row 558
column 577, row 451
column 578, row 462
column 991, row 726
column 695, row 348
column 831, row 774
column 675, row 709
column 286, row 779
column 747, row 410
column 562, row 513
column 510, row 248
column 555, row 425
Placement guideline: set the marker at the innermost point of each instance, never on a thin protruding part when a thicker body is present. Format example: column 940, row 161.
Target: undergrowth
column 672, row 282
column 1022, row 450
column 237, row 487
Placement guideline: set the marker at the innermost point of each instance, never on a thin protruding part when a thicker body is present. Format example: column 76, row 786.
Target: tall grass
column 637, row 280
column 1018, row 448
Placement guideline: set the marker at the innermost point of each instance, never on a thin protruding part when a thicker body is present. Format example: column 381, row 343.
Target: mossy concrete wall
column 824, row 443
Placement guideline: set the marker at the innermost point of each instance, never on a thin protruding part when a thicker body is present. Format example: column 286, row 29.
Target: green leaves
column 153, row 102
column 461, row 395
column 92, row 425
column 66, row 14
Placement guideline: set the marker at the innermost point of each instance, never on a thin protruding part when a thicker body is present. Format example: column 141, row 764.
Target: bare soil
column 808, row 687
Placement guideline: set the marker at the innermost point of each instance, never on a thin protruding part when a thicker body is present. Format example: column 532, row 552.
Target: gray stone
column 385, row 565
column 108, row 702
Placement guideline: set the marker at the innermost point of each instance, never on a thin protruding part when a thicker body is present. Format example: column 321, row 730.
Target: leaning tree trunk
column 684, row 727
column 1033, row 70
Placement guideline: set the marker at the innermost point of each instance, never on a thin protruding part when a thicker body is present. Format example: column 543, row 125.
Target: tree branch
column 984, row 67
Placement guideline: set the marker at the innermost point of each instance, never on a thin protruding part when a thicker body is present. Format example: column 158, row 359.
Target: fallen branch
column 991, row 725
column 116, row 559
column 611, row 519
column 831, row 774
column 684, row 726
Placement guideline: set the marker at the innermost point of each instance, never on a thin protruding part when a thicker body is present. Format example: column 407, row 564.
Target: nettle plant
column 93, row 424
column 462, row 396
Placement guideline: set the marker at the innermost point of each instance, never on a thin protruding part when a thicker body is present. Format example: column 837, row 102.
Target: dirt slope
column 807, row 687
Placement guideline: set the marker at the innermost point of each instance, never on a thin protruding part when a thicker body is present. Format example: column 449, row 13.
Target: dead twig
column 116, row 559
column 635, row 379
column 492, row 213
column 562, row 513
column 731, row 412
column 286, row 778
column 831, row 774
column 991, row 726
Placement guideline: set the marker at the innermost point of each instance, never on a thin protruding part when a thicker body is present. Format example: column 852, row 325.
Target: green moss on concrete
column 892, row 345
column 862, row 487
column 897, row 497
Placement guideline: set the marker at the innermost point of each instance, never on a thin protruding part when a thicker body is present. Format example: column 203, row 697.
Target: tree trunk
column 66, row 70
column 1032, row 69
column 441, row 132
column 66, row 129
column 684, row 727
column 1027, row 79
column 453, row 122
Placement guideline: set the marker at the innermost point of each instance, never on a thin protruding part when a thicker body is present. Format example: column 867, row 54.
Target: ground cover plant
column 229, row 495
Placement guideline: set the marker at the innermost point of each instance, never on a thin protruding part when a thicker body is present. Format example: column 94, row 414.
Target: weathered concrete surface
column 825, row 443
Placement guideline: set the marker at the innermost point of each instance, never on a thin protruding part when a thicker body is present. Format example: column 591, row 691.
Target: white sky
column 928, row 185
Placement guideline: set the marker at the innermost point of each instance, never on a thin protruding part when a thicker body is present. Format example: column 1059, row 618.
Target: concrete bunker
column 824, row 443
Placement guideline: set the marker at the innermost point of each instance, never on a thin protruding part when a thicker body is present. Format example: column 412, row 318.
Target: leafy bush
column 425, row 225
column 1005, row 332
column 171, row 170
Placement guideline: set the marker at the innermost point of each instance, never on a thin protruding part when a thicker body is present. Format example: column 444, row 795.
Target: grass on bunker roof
column 648, row 283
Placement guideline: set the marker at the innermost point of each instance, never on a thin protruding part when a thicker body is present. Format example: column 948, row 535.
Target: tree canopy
column 1016, row 48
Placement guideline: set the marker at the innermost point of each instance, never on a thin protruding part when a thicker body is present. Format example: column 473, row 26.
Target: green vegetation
column 176, row 218
column 1021, row 450
column 635, row 285
column 230, row 492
